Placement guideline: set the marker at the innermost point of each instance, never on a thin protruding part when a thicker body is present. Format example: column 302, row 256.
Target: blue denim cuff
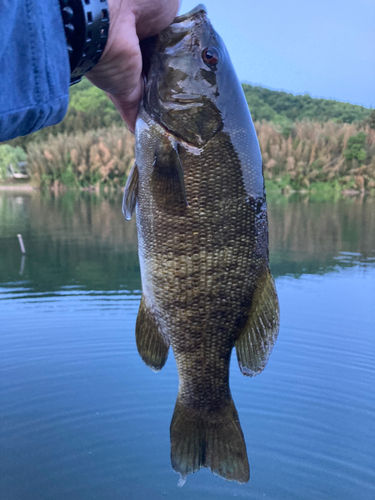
column 34, row 67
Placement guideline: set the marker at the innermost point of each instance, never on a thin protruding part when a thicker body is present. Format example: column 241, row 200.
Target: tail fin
column 212, row 440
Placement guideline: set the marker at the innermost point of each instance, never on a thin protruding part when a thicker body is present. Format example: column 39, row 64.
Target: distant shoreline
column 21, row 187
column 322, row 159
column 270, row 190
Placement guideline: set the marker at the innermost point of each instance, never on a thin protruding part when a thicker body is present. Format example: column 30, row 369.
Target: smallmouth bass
column 198, row 190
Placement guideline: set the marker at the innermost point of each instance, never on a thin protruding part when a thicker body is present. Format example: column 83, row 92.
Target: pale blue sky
column 323, row 47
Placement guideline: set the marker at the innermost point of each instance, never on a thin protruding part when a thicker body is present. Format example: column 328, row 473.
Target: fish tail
column 208, row 439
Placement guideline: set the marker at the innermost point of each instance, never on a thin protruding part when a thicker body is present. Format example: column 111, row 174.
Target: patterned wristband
column 86, row 25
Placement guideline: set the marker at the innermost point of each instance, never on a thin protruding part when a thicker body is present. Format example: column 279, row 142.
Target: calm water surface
column 82, row 417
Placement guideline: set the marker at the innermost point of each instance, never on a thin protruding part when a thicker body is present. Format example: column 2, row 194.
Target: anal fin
column 151, row 343
column 256, row 340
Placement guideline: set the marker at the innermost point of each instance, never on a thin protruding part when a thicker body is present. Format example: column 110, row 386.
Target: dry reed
column 83, row 159
column 312, row 153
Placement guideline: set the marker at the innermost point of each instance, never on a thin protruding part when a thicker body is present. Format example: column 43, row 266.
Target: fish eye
column 210, row 56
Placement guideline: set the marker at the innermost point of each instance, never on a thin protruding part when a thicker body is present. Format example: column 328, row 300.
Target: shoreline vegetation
column 316, row 146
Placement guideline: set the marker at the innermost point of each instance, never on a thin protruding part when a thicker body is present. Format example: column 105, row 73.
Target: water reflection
column 81, row 417
column 78, row 239
column 81, row 239
column 308, row 238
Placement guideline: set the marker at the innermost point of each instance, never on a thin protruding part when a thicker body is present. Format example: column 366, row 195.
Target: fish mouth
column 181, row 106
column 181, row 103
column 186, row 99
column 185, row 102
column 177, row 30
column 184, row 17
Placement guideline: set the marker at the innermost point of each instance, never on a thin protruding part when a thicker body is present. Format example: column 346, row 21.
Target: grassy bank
column 82, row 160
column 316, row 156
column 314, row 145
column 308, row 156
column 90, row 109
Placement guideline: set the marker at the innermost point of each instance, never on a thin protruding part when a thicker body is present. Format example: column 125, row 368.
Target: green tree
column 8, row 154
column 355, row 150
column 266, row 104
column 372, row 120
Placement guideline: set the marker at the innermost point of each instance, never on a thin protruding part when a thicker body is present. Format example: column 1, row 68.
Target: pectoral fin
column 131, row 193
column 168, row 184
column 255, row 342
column 151, row 343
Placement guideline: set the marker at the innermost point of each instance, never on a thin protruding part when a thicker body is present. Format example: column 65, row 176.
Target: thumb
column 128, row 105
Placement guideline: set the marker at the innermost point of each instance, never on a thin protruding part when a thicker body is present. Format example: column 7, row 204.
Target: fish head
column 192, row 90
column 184, row 66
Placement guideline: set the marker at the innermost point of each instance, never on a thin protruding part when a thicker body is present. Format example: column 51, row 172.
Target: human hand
column 118, row 72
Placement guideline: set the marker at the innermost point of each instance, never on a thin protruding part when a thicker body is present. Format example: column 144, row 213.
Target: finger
column 128, row 105
column 150, row 21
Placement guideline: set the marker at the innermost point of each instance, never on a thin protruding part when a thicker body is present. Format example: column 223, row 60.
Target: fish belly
column 199, row 267
column 202, row 250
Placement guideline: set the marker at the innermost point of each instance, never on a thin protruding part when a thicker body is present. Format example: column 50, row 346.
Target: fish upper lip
column 188, row 15
column 186, row 100
column 183, row 103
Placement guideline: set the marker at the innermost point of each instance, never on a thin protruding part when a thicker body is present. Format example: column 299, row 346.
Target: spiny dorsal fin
column 131, row 193
column 168, row 184
column 151, row 343
column 256, row 340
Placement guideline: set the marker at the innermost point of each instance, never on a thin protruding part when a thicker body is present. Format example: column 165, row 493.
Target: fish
column 198, row 191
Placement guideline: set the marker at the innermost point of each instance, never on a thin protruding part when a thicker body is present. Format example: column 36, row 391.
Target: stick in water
column 19, row 236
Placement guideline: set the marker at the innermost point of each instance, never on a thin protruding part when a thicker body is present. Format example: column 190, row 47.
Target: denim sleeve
column 34, row 67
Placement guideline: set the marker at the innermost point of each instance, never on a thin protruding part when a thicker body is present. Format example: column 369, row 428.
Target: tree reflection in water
column 81, row 238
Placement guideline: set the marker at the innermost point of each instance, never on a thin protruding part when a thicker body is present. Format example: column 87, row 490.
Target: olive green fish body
column 203, row 248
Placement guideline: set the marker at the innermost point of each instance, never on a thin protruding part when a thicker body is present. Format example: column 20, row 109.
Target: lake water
column 83, row 418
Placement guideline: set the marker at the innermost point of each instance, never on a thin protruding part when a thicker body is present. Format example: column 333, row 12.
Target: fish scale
column 198, row 191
